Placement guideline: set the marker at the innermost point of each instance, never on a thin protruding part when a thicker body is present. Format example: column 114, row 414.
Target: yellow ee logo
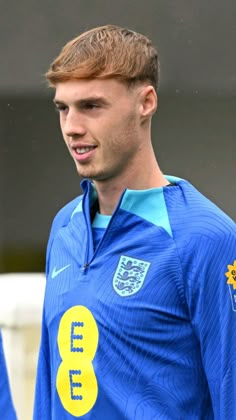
column 77, row 343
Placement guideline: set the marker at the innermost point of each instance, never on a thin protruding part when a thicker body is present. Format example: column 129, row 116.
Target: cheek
column 62, row 130
column 61, row 121
column 65, row 138
column 118, row 131
column 127, row 132
column 66, row 141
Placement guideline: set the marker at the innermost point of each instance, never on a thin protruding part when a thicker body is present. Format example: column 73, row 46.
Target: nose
column 73, row 124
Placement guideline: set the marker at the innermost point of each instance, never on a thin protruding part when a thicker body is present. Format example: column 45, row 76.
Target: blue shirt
column 144, row 326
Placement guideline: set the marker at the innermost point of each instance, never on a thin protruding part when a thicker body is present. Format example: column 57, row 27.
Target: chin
column 86, row 174
column 92, row 174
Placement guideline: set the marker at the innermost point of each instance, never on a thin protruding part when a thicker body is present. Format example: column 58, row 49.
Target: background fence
column 21, row 300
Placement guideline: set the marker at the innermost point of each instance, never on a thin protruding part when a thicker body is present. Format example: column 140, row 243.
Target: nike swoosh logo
column 55, row 272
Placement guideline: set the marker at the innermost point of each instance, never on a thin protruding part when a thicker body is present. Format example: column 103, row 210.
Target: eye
column 61, row 108
column 91, row 105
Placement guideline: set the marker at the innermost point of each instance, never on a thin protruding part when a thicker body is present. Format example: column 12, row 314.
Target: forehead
column 74, row 90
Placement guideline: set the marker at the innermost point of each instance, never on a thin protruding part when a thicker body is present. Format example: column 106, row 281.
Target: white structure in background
column 21, row 303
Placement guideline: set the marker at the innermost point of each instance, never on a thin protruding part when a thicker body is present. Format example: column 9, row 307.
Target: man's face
column 101, row 125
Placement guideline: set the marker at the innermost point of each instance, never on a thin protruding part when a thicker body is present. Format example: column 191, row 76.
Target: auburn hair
column 105, row 52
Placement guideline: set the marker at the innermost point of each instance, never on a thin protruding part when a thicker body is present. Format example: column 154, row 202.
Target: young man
column 139, row 316
column 7, row 411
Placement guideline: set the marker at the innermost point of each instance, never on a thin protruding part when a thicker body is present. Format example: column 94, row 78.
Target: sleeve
column 42, row 400
column 7, row 411
column 61, row 219
column 212, row 298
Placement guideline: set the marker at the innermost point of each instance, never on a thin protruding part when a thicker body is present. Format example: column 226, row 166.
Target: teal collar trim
column 101, row 221
column 149, row 205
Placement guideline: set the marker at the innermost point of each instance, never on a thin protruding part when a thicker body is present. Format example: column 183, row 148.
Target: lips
column 85, row 149
column 82, row 153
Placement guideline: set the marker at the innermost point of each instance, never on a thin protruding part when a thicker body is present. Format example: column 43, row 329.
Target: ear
column 148, row 102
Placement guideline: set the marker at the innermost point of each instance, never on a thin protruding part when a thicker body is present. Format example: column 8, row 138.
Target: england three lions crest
column 130, row 275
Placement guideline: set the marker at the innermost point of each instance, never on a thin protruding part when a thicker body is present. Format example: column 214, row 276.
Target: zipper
column 86, row 211
column 85, row 266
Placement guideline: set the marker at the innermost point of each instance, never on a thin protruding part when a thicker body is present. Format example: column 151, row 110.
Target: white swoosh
column 55, row 272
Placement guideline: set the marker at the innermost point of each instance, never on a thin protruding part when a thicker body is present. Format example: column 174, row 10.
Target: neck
column 109, row 191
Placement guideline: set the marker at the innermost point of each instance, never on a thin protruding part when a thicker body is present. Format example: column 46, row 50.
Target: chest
column 133, row 272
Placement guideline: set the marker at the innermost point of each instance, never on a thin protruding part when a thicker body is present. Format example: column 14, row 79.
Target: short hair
column 106, row 52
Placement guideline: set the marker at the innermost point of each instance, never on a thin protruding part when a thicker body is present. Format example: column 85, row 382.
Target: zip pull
column 85, row 266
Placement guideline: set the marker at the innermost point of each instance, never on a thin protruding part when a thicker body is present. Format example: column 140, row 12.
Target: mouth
column 83, row 150
column 83, row 153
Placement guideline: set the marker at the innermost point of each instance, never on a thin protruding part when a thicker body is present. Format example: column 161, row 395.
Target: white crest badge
column 130, row 275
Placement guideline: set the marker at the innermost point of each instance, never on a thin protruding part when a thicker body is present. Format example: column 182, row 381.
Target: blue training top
column 142, row 326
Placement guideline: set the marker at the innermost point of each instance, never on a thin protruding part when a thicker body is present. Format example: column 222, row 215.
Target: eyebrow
column 84, row 101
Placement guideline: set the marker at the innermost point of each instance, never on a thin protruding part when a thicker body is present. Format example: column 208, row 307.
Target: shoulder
column 192, row 212
column 64, row 215
column 204, row 236
column 61, row 220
